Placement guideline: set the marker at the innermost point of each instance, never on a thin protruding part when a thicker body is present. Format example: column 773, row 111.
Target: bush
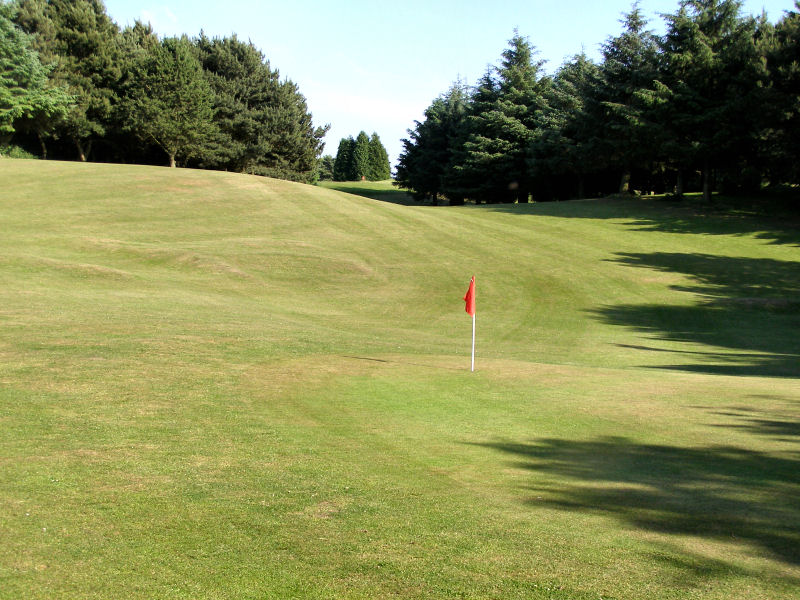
column 15, row 152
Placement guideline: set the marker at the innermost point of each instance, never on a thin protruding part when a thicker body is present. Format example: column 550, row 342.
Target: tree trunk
column 172, row 163
column 625, row 183
column 706, row 181
column 679, row 184
column 81, row 153
column 42, row 144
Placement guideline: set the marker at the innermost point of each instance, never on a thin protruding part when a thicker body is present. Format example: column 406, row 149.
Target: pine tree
column 27, row 100
column 566, row 143
column 326, row 164
column 710, row 94
column 629, row 68
column 169, row 102
column 264, row 126
column 361, row 164
column 80, row 38
column 492, row 166
column 781, row 135
column 379, row 168
column 343, row 166
column 428, row 151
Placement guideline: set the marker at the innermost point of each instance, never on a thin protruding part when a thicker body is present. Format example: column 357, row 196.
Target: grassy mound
column 216, row 385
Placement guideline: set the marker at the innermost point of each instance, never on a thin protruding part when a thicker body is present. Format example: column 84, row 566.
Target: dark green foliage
column 27, row 100
column 565, row 150
column 361, row 158
column 264, row 126
column 428, row 151
column 213, row 103
column 80, row 38
column 716, row 95
column 326, row 166
column 491, row 164
column 712, row 81
column 781, row 138
column 630, row 67
column 379, row 168
column 343, row 166
column 169, row 101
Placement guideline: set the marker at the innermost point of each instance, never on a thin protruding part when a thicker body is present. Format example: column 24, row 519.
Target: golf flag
column 469, row 298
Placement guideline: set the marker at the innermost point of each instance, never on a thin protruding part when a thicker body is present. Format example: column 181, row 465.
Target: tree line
column 712, row 104
column 358, row 158
column 75, row 85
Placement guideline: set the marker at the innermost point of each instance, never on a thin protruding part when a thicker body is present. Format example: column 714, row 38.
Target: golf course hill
column 222, row 385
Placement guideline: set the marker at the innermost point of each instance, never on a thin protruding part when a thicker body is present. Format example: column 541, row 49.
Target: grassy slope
column 377, row 190
column 214, row 385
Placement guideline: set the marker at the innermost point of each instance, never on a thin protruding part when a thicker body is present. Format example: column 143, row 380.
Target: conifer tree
column 566, row 142
column 379, row 168
column 708, row 103
column 781, row 136
column 169, row 102
column 492, row 166
column 629, row 68
column 263, row 123
column 361, row 164
column 326, row 164
column 26, row 98
column 80, row 38
column 343, row 166
column 428, row 151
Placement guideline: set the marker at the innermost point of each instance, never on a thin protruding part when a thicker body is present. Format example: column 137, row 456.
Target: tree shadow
column 718, row 492
column 775, row 223
column 780, row 426
column 391, row 195
column 748, row 308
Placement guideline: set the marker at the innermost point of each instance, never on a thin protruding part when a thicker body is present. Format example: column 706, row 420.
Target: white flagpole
column 473, row 343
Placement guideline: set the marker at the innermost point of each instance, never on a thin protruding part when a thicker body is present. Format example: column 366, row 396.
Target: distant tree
column 263, row 124
column 565, row 148
column 80, row 38
column 379, row 168
column 710, row 92
column 326, row 165
column 343, row 166
column 781, row 136
column 295, row 142
column 492, row 166
column 26, row 99
column 168, row 101
column 629, row 68
column 361, row 156
column 428, row 151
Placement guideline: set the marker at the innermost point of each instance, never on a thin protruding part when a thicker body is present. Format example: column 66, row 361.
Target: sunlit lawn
column 220, row 386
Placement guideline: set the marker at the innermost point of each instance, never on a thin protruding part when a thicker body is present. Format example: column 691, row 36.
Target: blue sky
column 376, row 65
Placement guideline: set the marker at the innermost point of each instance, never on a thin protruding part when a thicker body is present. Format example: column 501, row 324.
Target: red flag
column 469, row 298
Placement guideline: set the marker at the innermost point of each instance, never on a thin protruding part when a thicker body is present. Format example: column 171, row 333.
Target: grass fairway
column 377, row 190
column 222, row 386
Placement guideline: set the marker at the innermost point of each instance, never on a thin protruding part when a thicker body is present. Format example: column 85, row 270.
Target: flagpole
column 473, row 343
column 469, row 298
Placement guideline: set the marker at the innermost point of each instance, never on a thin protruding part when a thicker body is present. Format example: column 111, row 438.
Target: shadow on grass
column 779, row 427
column 777, row 223
column 392, row 195
column 749, row 308
column 718, row 492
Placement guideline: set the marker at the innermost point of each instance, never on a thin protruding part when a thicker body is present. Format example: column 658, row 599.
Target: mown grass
column 221, row 386
column 384, row 191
